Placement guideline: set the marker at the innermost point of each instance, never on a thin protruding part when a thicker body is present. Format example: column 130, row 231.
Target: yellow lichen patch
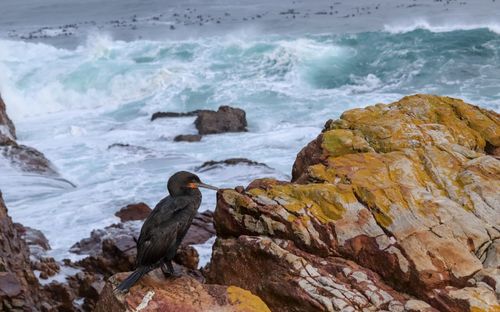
column 495, row 308
column 340, row 142
column 415, row 121
column 245, row 301
column 326, row 202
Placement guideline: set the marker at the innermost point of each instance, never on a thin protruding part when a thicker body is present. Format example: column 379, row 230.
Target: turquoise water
column 73, row 103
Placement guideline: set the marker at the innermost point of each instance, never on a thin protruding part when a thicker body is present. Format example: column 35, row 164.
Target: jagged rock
column 19, row 288
column 133, row 212
column 155, row 293
column 225, row 119
column 7, row 128
column 37, row 242
column 174, row 114
column 187, row 138
column 24, row 157
column 27, row 159
column 213, row 164
column 406, row 191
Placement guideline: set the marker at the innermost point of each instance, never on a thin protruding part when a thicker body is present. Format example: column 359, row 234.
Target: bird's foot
column 168, row 270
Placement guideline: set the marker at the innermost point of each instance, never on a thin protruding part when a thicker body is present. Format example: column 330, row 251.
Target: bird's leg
column 168, row 269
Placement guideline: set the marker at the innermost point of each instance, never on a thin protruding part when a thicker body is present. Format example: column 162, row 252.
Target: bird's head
column 185, row 183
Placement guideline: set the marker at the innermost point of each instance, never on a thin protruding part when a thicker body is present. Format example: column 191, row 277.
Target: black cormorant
column 166, row 226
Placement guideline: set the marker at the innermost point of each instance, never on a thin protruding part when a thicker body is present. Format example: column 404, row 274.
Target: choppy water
column 72, row 104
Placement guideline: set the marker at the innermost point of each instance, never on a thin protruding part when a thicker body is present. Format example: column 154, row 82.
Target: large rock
column 19, row 288
column 155, row 293
column 225, row 119
column 7, row 128
column 404, row 195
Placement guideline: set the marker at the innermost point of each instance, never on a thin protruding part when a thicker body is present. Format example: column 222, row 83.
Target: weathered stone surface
column 133, row 212
column 7, row 128
column 225, row 119
column 188, row 138
column 155, row 293
column 19, row 287
column 405, row 190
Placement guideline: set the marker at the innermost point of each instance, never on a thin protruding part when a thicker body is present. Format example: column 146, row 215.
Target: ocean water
column 73, row 99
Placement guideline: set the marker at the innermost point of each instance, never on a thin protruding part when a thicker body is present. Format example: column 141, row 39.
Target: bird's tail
column 132, row 278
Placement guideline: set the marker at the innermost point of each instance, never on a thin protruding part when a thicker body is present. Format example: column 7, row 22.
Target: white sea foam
column 438, row 27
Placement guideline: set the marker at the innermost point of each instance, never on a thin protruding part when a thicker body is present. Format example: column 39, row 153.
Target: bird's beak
column 200, row 184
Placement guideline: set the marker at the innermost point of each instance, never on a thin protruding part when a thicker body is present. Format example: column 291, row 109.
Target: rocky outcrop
column 7, row 129
column 225, row 119
column 133, row 212
column 393, row 207
column 21, row 156
column 19, row 288
column 155, row 293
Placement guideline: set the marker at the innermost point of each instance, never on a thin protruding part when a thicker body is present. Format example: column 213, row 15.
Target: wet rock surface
column 393, row 207
column 21, row 156
column 155, row 293
column 225, row 119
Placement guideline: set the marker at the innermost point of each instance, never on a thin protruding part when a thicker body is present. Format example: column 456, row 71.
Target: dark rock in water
column 24, row 157
column 188, row 138
column 175, row 114
column 7, row 127
column 27, row 159
column 213, row 164
column 134, row 212
column 225, row 119
column 128, row 147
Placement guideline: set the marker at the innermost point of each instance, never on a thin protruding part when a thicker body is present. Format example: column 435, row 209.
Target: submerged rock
column 393, row 207
column 187, row 138
column 225, row 119
column 213, row 164
column 155, row 293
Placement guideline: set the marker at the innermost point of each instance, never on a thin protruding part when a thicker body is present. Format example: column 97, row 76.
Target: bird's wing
column 159, row 232
column 153, row 248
